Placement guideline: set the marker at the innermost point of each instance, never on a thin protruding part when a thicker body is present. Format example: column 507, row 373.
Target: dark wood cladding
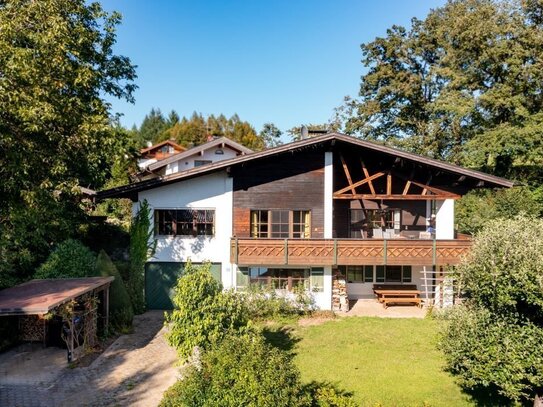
column 291, row 181
column 322, row 252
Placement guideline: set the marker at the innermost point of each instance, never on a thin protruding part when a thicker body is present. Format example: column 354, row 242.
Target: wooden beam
column 389, row 184
column 367, row 174
column 362, row 182
column 395, row 197
column 347, row 173
column 407, row 185
column 437, row 191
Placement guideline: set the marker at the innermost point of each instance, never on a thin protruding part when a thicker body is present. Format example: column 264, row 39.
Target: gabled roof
column 163, row 143
column 129, row 190
column 221, row 141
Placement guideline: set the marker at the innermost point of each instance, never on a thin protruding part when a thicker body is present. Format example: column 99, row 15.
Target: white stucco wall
column 212, row 191
column 209, row 155
column 445, row 219
column 328, row 191
column 323, row 300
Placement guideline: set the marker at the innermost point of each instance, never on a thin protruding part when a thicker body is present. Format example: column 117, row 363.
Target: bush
column 120, row 307
column 239, row 371
column 264, row 303
column 203, row 313
column 326, row 395
column 495, row 342
column 495, row 354
column 69, row 259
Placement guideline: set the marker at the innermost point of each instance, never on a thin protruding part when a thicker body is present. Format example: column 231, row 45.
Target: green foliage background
column 69, row 259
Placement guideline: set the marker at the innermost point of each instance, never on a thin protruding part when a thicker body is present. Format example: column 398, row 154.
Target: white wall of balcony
column 445, row 219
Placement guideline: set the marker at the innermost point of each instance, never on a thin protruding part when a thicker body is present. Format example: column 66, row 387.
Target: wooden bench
column 399, row 296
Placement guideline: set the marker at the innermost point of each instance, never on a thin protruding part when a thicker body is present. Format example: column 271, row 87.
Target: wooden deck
column 307, row 252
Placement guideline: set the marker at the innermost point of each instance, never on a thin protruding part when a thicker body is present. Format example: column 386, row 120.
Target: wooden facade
column 324, row 252
column 297, row 183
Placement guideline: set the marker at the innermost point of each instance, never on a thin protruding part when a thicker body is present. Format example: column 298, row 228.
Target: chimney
column 149, row 144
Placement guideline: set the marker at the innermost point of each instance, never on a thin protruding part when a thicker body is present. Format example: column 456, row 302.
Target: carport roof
column 38, row 297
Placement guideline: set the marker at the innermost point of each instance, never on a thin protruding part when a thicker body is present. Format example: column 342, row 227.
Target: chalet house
column 170, row 158
column 157, row 152
column 332, row 212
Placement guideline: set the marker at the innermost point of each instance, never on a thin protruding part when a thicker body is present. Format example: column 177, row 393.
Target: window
column 281, row 224
column 360, row 274
column 199, row 163
column 317, row 280
column 277, row 278
column 184, row 222
column 393, row 274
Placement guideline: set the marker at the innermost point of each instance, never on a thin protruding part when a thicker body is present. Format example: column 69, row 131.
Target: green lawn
column 388, row 362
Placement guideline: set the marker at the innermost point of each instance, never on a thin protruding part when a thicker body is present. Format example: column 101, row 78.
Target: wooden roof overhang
column 38, row 297
column 333, row 142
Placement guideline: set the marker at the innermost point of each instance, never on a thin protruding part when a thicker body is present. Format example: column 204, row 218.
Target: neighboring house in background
column 217, row 149
column 333, row 212
column 160, row 151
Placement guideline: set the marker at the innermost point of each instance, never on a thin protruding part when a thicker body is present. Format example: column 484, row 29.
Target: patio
column 373, row 308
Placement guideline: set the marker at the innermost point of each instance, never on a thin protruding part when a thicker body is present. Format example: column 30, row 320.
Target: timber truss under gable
column 387, row 183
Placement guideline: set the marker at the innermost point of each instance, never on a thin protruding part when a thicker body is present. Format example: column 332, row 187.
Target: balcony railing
column 308, row 252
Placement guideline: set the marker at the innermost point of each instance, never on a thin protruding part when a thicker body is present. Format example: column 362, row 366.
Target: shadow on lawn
column 489, row 397
column 280, row 337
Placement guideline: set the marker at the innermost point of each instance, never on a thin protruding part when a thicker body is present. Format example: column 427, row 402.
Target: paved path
column 134, row 371
column 372, row 308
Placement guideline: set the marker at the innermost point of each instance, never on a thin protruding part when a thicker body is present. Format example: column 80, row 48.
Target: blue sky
column 286, row 62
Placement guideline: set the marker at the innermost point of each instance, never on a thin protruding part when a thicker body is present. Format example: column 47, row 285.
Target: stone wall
column 340, row 300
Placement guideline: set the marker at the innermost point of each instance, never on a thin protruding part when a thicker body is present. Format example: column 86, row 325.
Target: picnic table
column 397, row 295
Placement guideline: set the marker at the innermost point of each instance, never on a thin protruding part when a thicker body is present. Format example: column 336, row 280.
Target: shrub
column 69, row 259
column 239, row 371
column 495, row 342
column 495, row 354
column 141, row 248
column 203, row 313
column 326, row 395
column 120, row 307
column 264, row 303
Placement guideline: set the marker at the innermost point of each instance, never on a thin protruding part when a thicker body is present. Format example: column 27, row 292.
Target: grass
column 383, row 362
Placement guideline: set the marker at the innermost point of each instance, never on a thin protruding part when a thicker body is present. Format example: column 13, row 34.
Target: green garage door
column 160, row 280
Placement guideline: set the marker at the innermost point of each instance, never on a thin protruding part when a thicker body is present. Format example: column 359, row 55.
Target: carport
column 40, row 306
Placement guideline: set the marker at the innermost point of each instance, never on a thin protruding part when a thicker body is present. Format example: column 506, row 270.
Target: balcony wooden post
column 286, row 251
column 434, row 254
column 385, row 251
column 236, row 251
column 335, row 252
column 289, row 283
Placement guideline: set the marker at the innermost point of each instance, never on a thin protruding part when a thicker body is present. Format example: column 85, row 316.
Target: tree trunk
column 538, row 400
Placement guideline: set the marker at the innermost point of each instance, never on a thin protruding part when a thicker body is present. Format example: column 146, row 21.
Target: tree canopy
column 196, row 129
column 464, row 84
column 56, row 134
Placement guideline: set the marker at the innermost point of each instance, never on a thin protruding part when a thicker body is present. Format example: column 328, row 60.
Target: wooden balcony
column 308, row 252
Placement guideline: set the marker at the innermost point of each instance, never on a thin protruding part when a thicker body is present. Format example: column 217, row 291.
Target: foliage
column 496, row 341
column 69, row 259
column 489, row 352
column 326, row 395
column 475, row 209
column 58, row 65
column 120, row 307
column 503, row 270
column 240, row 370
column 196, row 129
column 203, row 313
column 270, row 135
column 142, row 246
column 464, row 84
column 262, row 303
